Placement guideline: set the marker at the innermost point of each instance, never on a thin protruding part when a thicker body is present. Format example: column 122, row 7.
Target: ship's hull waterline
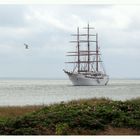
column 82, row 80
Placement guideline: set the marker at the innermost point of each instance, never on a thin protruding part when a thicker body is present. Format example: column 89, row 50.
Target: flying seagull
column 26, row 46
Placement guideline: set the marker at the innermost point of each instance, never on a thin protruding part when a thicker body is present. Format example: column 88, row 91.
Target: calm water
column 35, row 92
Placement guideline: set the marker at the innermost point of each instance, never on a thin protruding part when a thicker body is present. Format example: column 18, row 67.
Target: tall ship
column 88, row 69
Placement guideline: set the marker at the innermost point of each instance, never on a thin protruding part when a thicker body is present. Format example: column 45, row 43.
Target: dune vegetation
column 81, row 117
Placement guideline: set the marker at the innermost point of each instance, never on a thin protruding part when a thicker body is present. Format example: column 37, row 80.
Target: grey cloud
column 47, row 29
column 12, row 15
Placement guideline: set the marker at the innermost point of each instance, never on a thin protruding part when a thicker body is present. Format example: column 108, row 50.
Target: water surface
column 38, row 92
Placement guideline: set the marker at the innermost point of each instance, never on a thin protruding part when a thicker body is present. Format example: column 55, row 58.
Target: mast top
column 88, row 27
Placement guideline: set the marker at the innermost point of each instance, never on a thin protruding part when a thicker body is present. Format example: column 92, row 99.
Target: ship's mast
column 97, row 52
column 78, row 49
column 88, row 48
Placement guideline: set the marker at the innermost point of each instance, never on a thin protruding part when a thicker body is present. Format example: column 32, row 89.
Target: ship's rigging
column 84, row 62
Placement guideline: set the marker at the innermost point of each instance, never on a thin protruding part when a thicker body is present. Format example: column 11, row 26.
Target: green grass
column 82, row 117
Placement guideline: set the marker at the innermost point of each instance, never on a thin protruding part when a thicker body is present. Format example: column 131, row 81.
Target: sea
column 22, row 92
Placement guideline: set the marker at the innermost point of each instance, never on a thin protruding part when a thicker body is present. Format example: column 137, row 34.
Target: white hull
column 82, row 80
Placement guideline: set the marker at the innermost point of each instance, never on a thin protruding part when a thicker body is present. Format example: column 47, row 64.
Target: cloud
column 47, row 29
column 12, row 15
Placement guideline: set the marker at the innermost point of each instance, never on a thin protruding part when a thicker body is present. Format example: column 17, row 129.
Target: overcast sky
column 47, row 29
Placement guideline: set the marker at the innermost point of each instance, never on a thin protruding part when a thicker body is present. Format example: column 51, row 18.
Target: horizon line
column 62, row 78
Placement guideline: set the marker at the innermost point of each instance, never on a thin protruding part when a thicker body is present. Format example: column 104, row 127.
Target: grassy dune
column 82, row 117
column 12, row 112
